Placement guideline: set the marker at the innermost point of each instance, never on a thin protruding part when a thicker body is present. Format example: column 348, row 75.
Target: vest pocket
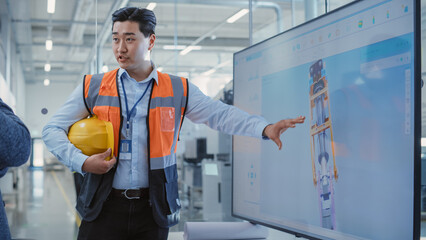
column 167, row 119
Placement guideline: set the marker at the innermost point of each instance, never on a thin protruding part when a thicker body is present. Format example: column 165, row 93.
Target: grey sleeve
column 15, row 139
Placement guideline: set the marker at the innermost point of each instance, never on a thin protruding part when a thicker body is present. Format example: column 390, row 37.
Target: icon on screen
column 374, row 20
column 405, row 8
column 252, row 175
column 387, row 14
column 360, row 24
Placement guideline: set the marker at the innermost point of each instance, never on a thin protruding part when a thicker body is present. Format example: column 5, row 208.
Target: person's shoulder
column 4, row 106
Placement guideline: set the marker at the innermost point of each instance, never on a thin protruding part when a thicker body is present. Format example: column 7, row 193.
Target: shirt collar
column 152, row 75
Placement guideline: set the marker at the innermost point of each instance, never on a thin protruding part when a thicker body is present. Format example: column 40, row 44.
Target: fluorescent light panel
column 51, row 6
column 47, row 67
column 188, row 49
column 151, row 6
column 173, row 47
column 237, row 16
column 49, row 45
column 105, row 68
column 223, row 64
column 209, row 72
column 46, row 82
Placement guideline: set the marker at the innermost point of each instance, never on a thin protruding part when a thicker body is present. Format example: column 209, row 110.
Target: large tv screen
column 351, row 171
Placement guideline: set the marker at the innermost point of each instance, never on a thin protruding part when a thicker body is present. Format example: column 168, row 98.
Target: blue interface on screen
column 347, row 172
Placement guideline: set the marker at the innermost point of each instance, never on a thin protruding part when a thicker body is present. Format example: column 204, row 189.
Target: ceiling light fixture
column 188, row 49
column 47, row 67
column 173, row 47
column 46, row 82
column 105, row 68
column 160, row 69
column 51, row 6
column 237, row 16
column 213, row 70
column 151, row 6
column 49, row 45
column 209, row 72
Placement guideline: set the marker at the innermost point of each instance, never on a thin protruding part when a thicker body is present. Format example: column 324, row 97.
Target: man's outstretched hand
column 274, row 131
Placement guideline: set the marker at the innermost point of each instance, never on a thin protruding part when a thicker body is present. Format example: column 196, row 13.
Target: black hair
column 143, row 16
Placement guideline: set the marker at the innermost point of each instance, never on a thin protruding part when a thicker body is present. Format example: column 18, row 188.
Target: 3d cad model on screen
column 322, row 147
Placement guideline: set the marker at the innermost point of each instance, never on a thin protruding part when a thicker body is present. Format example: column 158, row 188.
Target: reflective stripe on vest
column 166, row 109
column 101, row 97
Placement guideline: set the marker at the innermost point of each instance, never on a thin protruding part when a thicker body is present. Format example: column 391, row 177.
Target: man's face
column 131, row 48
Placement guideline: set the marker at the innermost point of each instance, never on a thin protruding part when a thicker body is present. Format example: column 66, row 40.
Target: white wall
column 20, row 90
column 12, row 82
column 38, row 97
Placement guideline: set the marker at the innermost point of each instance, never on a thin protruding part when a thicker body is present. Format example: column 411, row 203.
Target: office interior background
column 46, row 51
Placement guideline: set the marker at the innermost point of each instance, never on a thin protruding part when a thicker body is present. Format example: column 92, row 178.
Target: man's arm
column 55, row 133
column 222, row 117
column 231, row 120
column 55, row 136
column 15, row 139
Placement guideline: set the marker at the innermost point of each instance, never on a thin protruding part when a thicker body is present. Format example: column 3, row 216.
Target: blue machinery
column 322, row 146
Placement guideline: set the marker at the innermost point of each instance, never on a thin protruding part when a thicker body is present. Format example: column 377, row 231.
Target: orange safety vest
column 167, row 107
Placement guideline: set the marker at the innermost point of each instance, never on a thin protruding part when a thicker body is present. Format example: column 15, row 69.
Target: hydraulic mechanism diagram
column 322, row 147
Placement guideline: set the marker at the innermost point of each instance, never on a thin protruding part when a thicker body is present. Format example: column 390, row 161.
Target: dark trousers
column 123, row 219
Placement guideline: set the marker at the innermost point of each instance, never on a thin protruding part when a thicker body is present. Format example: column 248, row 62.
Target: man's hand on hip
column 274, row 131
column 98, row 164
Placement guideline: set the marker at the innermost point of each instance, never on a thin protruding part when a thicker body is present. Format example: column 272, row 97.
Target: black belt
column 142, row 193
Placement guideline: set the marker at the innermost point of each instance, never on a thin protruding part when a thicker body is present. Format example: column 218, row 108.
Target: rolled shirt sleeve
column 55, row 133
column 222, row 117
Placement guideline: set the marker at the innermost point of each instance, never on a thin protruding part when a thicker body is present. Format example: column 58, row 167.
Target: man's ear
column 151, row 41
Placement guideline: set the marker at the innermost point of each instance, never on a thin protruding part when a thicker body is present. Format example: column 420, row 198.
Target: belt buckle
column 130, row 198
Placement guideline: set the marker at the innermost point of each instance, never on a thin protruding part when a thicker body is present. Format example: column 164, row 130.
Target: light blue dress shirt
column 132, row 174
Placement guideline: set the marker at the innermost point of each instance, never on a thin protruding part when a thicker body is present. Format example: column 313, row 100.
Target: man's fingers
column 107, row 152
column 112, row 161
column 290, row 123
column 297, row 120
column 278, row 142
column 109, row 164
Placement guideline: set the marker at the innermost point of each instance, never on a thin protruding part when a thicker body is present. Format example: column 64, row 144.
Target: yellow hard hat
column 92, row 136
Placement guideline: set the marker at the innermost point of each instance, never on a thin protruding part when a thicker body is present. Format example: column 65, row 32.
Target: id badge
column 126, row 149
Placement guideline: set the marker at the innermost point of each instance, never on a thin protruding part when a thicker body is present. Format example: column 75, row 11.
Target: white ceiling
column 74, row 31
column 75, row 23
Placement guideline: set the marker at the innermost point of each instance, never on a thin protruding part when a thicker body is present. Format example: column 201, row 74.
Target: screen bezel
column 417, row 121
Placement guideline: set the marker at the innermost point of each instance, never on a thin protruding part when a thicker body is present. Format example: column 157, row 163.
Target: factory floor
column 41, row 206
